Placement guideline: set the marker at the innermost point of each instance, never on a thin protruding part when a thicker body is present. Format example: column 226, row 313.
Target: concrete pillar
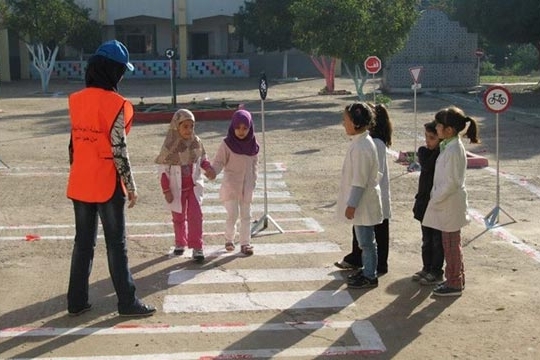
column 5, row 74
column 182, row 37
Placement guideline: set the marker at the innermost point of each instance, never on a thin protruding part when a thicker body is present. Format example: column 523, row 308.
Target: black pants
column 432, row 251
column 111, row 214
column 382, row 238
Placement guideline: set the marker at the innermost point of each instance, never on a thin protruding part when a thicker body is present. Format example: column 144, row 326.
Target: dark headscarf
column 247, row 145
column 104, row 73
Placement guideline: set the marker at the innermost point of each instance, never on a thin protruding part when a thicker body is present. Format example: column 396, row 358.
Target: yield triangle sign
column 415, row 73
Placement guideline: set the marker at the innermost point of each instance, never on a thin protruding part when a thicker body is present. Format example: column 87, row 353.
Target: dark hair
column 104, row 73
column 382, row 129
column 455, row 118
column 361, row 114
column 431, row 127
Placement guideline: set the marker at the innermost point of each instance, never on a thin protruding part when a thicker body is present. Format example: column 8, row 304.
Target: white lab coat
column 174, row 173
column 447, row 207
column 384, row 183
column 361, row 168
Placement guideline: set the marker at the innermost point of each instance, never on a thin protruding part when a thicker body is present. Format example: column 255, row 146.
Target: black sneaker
column 419, row 275
column 79, row 311
column 138, row 310
column 362, row 282
column 178, row 251
column 446, row 291
column 198, row 255
column 343, row 265
column 431, row 279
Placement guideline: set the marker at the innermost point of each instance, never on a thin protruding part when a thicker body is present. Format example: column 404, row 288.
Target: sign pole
column 373, row 65
column 497, row 99
column 415, row 73
column 262, row 223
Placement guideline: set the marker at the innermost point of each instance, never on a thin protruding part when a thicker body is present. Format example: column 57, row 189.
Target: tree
column 267, row 24
column 351, row 30
column 43, row 25
column 501, row 21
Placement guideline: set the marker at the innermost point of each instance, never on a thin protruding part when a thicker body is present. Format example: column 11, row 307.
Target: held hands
column 168, row 196
column 210, row 173
column 132, row 197
column 349, row 212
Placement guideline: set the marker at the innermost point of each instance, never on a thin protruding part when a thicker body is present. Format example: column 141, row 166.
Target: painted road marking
column 253, row 301
column 136, row 328
column 289, row 226
column 363, row 330
column 256, row 195
column 505, row 235
column 228, row 276
column 274, row 249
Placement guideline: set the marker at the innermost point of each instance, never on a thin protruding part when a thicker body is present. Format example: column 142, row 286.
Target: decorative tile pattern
column 154, row 69
column 444, row 49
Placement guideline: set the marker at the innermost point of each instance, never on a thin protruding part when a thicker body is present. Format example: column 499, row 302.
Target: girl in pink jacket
column 237, row 156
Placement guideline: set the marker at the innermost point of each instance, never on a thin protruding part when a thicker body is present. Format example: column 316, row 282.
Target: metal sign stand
column 262, row 223
column 497, row 99
column 415, row 73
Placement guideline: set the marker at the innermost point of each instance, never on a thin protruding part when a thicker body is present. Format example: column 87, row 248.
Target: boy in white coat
column 359, row 197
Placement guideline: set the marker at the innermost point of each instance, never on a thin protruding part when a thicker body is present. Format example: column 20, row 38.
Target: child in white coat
column 447, row 207
column 237, row 156
column 180, row 160
column 359, row 197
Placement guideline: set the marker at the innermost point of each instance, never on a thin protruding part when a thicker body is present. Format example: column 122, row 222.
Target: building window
column 139, row 39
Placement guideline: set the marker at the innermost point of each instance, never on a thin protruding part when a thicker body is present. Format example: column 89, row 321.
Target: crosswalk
column 254, row 291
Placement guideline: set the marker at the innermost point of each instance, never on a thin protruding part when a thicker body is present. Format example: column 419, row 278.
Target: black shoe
column 343, row 265
column 363, row 282
column 178, row 251
column 79, row 311
column 138, row 310
column 382, row 271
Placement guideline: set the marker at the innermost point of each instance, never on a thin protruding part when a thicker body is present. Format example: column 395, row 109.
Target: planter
column 159, row 113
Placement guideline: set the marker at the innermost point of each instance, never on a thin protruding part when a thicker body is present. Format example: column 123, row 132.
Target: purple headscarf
column 247, row 145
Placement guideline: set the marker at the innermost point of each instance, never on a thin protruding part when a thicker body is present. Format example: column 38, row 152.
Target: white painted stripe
column 256, row 195
column 308, row 221
column 312, row 352
column 136, row 328
column 270, row 184
column 253, row 301
column 219, row 209
column 273, row 249
column 227, row 276
column 505, row 235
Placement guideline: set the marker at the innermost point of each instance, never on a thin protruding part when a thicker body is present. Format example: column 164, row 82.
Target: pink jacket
column 239, row 174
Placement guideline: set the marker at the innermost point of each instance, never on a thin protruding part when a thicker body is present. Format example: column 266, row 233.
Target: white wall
column 196, row 9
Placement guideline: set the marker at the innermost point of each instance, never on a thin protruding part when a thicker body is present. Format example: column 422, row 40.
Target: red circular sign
column 479, row 52
column 497, row 99
column 372, row 64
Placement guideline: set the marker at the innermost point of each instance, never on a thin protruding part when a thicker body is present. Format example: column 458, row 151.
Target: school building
column 206, row 47
column 202, row 36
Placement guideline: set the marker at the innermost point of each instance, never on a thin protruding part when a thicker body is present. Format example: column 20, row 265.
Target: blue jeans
column 366, row 240
column 111, row 214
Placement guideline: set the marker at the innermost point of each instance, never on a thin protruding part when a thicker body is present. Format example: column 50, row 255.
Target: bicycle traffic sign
column 497, row 99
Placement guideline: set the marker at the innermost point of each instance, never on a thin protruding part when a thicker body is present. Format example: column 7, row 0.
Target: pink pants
column 188, row 229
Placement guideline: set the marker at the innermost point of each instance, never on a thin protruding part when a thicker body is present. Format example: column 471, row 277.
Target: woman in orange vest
column 100, row 178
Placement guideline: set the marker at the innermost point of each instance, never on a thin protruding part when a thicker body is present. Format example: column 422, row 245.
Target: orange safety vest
column 93, row 175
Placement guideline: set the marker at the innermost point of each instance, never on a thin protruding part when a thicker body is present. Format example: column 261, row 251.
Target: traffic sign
column 497, row 99
column 415, row 73
column 479, row 53
column 372, row 64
